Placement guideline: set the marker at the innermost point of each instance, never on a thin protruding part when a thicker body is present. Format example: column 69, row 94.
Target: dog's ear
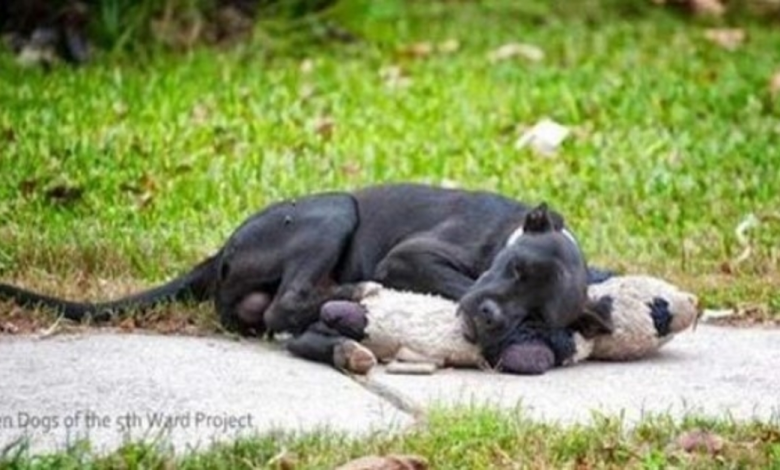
column 538, row 220
column 556, row 220
column 596, row 318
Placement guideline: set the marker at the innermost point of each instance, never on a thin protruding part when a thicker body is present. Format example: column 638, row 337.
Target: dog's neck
column 519, row 233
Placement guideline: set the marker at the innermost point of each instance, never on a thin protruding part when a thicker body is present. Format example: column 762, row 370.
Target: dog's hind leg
column 289, row 251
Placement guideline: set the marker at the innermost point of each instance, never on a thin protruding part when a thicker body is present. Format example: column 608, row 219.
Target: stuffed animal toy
column 418, row 333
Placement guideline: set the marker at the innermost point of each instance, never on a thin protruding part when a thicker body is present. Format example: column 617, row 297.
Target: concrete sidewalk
column 191, row 391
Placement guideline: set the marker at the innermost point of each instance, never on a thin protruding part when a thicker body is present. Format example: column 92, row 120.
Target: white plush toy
column 405, row 327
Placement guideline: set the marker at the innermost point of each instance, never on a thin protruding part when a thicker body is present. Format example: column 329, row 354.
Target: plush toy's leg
column 322, row 344
column 348, row 318
column 528, row 358
column 531, row 350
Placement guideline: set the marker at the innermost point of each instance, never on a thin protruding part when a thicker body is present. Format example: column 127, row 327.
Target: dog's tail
column 197, row 285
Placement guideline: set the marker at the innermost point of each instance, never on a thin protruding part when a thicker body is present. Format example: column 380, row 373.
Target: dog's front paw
column 353, row 357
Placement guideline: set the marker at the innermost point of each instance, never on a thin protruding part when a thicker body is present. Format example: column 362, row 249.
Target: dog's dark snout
column 489, row 312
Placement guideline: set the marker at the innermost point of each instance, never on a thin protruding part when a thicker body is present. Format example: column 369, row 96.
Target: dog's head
column 540, row 278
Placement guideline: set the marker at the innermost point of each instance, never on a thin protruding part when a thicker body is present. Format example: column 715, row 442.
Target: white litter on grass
column 516, row 49
column 544, row 138
column 713, row 315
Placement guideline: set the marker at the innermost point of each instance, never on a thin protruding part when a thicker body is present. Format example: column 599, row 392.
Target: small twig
column 52, row 330
column 749, row 222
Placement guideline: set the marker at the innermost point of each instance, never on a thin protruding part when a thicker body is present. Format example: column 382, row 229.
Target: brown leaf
column 144, row 200
column 395, row 77
column 417, row 50
column 727, row 38
column 64, row 194
column 324, row 126
column 351, row 168
column 9, row 135
column 388, row 462
column 707, row 7
column 9, row 328
column 699, row 440
column 128, row 324
column 448, row 47
column 516, row 49
column 28, row 186
column 726, row 267
column 120, row 109
column 307, row 66
column 306, row 92
column 200, row 113
column 774, row 84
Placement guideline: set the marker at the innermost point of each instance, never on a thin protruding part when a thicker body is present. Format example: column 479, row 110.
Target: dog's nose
column 489, row 312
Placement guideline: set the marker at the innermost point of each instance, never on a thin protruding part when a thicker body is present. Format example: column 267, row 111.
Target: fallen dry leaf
column 707, row 7
column 200, row 113
column 699, row 440
column 144, row 200
column 9, row 328
column 306, row 92
column 128, row 324
column 28, row 186
column 351, row 169
column 323, row 126
column 727, row 38
column 388, row 462
column 544, row 138
column 64, row 194
column 421, row 50
column 120, row 109
column 8, row 134
column 774, row 83
column 395, row 77
column 516, row 49
column 712, row 8
column 449, row 46
column 417, row 50
column 307, row 66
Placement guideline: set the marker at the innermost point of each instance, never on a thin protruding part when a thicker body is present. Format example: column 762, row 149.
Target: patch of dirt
column 179, row 319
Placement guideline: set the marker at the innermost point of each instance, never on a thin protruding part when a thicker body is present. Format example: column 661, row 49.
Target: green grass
column 676, row 143
column 473, row 438
column 133, row 168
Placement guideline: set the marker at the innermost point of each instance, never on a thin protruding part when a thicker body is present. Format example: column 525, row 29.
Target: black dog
column 278, row 268
column 524, row 334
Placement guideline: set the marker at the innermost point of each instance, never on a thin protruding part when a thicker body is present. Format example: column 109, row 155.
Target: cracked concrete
column 110, row 387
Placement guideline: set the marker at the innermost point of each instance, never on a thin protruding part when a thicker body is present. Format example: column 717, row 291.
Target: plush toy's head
column 646, row 312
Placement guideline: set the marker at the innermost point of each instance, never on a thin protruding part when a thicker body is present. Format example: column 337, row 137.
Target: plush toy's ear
column 596, row 318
